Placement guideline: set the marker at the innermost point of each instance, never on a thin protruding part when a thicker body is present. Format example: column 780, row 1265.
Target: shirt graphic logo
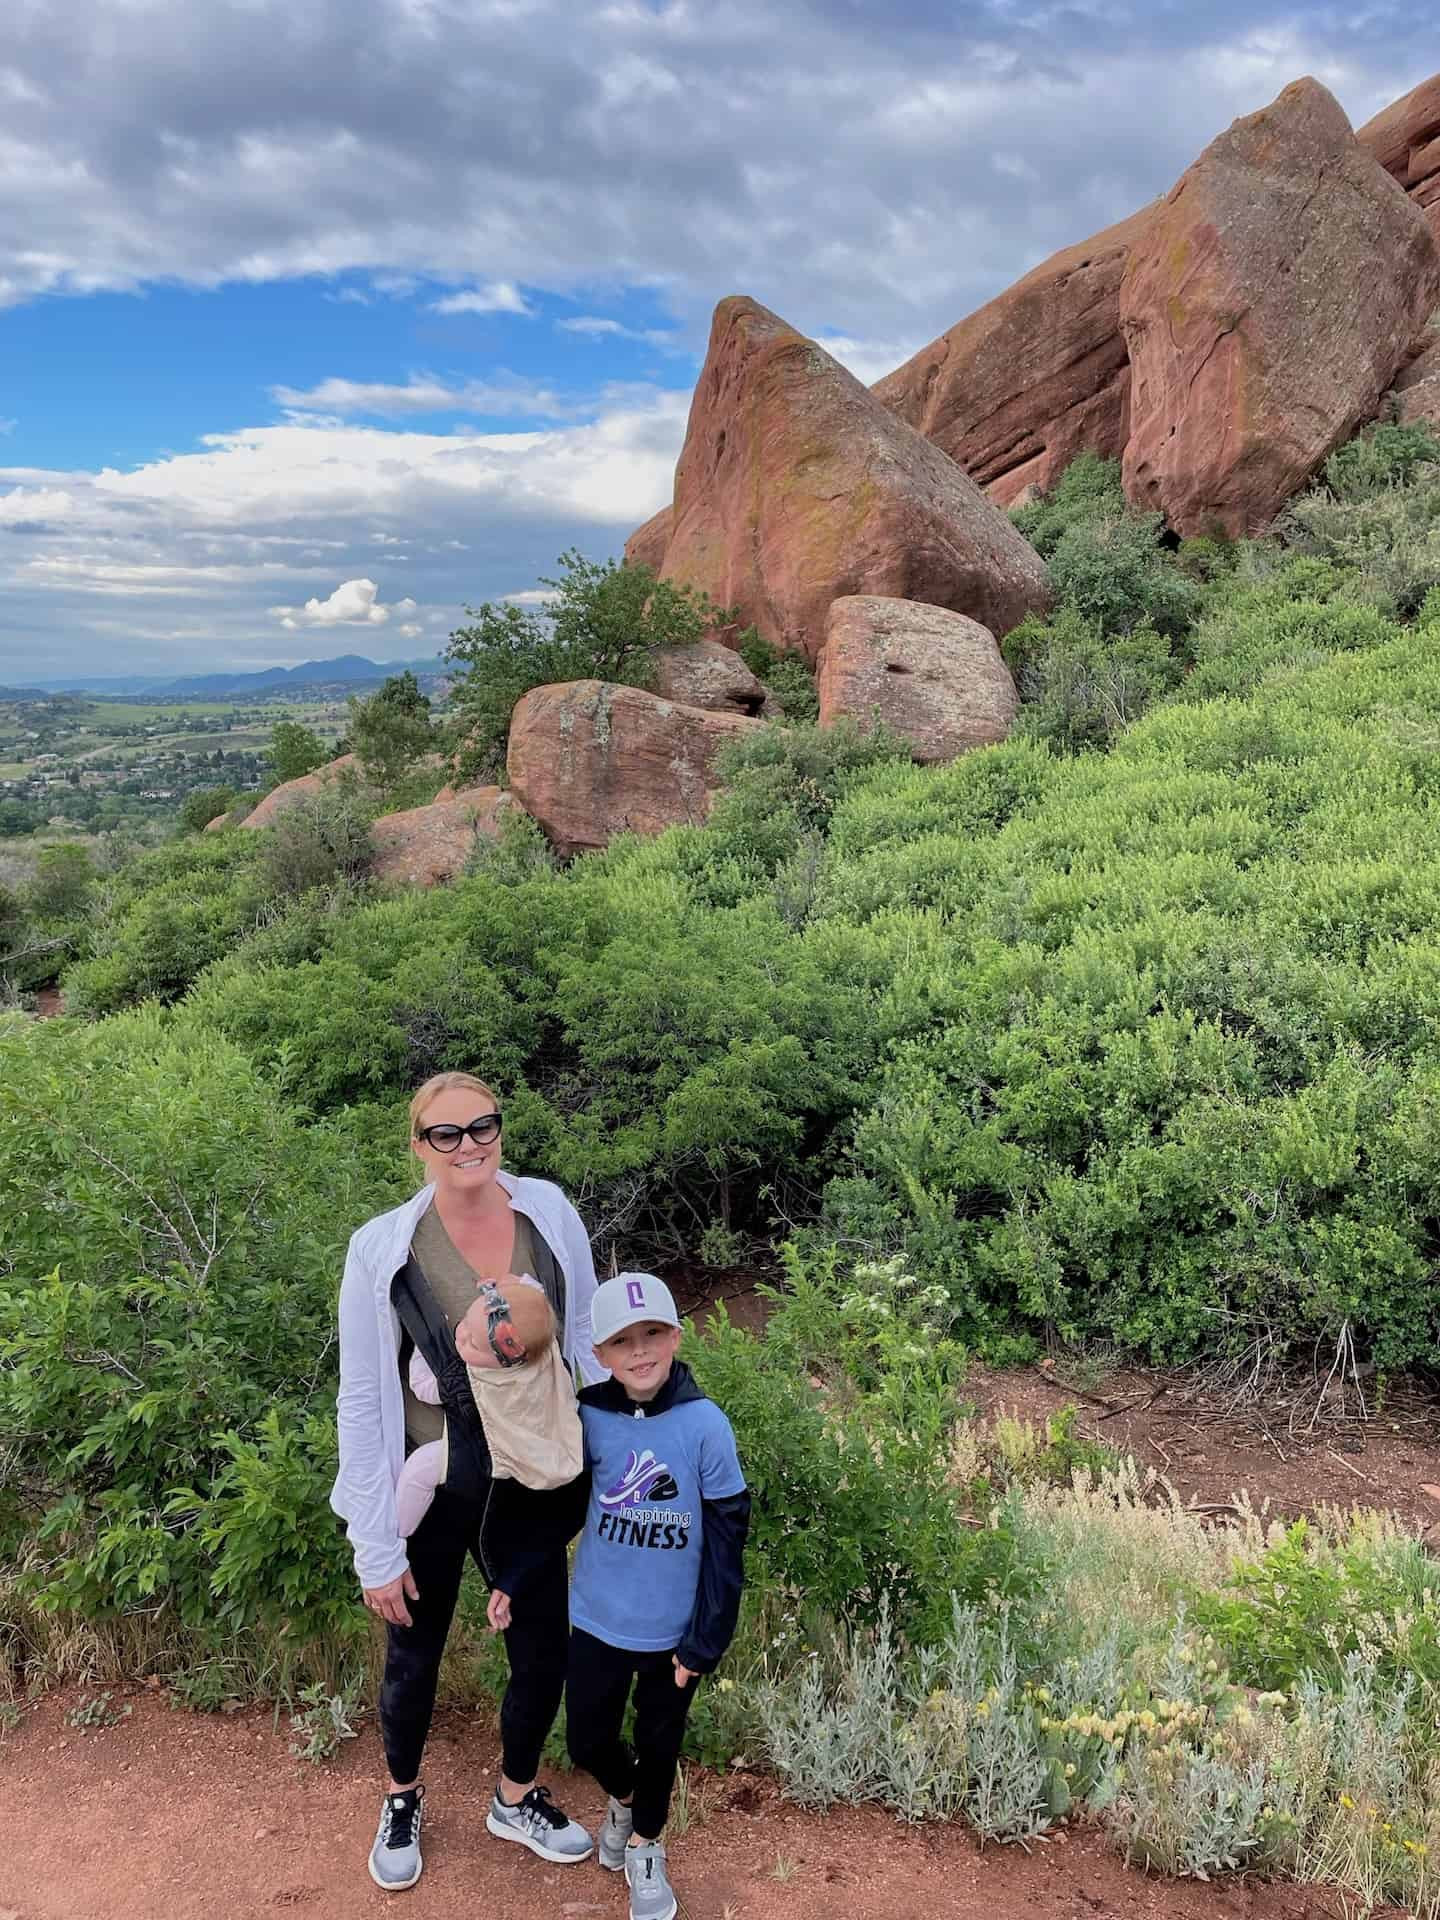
column 644, row 1480
column 635, row 1293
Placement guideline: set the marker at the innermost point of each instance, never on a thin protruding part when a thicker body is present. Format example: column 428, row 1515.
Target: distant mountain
column 348, row 671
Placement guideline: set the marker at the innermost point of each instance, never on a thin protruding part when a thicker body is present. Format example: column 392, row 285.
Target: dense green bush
column 603, row 622
column 1087, row 493
column 1080, row 687
column 164, row 1381
column 163, row 918
column 1376, row 516
column 319, row 840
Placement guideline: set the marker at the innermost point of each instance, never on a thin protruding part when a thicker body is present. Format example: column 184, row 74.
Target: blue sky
column 321, row 318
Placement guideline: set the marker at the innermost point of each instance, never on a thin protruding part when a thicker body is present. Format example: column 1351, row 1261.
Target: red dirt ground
column 170, row 1816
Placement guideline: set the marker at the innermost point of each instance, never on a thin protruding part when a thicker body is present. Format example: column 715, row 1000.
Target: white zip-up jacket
column 370, row 1406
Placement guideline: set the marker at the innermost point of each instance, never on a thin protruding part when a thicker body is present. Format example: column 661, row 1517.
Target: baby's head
column 524, row 1333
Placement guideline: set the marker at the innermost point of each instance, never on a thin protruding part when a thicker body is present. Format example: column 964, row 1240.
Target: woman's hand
column 683, row 1675
column 498, row 1611
column 389, row 1601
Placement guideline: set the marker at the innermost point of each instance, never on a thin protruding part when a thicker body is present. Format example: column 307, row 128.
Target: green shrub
column 1079, row 688
column 1087, row 492
column 319, row 840
column 198, row 809
column 1384, row 457
column 1114, row 573
column 785, row 676
column 603, row 622
column 1377, row 517
column 162, row 1352
column 165, row 917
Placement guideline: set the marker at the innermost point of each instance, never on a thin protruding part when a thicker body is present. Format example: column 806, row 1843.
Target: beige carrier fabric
column 531, row 1420
column 453, row 1282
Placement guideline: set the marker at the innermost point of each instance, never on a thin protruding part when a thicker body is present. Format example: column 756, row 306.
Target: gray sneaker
column 395, row 1861
column 615, row 1836
column 651, row 1895
column 537, row 1823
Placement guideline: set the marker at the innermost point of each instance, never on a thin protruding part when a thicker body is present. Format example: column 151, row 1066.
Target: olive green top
column 453, row 1282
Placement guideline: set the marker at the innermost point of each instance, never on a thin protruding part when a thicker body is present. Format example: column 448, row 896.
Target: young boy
column 656, row 1590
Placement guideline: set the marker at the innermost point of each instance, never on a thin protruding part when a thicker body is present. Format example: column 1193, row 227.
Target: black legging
column 535, row 1646
column 596, row 1695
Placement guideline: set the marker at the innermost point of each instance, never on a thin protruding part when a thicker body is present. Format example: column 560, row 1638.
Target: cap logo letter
column 634, row 1293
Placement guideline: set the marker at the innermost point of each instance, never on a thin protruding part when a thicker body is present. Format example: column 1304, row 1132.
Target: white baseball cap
column 627, row 1300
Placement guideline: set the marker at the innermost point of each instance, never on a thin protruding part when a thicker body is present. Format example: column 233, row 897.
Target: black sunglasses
column 446, row 1136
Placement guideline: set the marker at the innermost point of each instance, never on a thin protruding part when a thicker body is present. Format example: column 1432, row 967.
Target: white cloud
column 8, row 426
column 352, row 604
column 598, row 327
column 421, row 393
column 501, row 296
column 411, row 630
column 868, row 360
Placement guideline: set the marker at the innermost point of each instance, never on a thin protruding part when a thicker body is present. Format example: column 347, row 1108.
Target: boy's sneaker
column 539, row 1824
column 395, row 1857
column 651, row 1895
column 615, row 1836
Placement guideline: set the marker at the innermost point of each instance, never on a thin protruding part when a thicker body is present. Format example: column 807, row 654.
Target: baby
column 523, row 1393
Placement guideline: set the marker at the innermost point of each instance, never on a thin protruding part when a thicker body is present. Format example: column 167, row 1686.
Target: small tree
column 391, row 730
column 295, row 750
column 62, row 883
column 198, row 809
column 604, row 622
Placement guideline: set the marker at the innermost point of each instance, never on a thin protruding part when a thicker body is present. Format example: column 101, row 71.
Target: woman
column 410, row 1274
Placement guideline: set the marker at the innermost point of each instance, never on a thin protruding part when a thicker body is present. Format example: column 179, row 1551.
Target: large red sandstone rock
column 1405, row 139
column 708, row 674
column 796, row 485
column 589, row 760
column 428, row 846
column 279, row 798
column 646, row 546
column 933, row 676
column 1417, row 390
column 1039, row 375
column 1267, row 307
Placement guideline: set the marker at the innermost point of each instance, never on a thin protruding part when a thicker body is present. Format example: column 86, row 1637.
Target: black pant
column 597, row 1688
column 534, row 1645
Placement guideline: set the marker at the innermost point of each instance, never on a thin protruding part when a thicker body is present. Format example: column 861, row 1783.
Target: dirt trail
column 174, row 1816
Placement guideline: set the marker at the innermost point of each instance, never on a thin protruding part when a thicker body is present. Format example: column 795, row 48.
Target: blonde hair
column 445, row 1083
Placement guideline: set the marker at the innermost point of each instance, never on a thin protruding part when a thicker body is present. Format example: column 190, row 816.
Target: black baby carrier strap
column 468, row 1470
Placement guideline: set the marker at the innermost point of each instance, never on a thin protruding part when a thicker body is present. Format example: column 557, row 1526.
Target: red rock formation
column 589, row 760
column 646, row 546
column 933, row 676
column 708, row 674
column 279, row 798
column 1405, row 139
column 428, row 846
column 1040, row 374
column 1417, row 390
column 1267, row 307
column 796, row 485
